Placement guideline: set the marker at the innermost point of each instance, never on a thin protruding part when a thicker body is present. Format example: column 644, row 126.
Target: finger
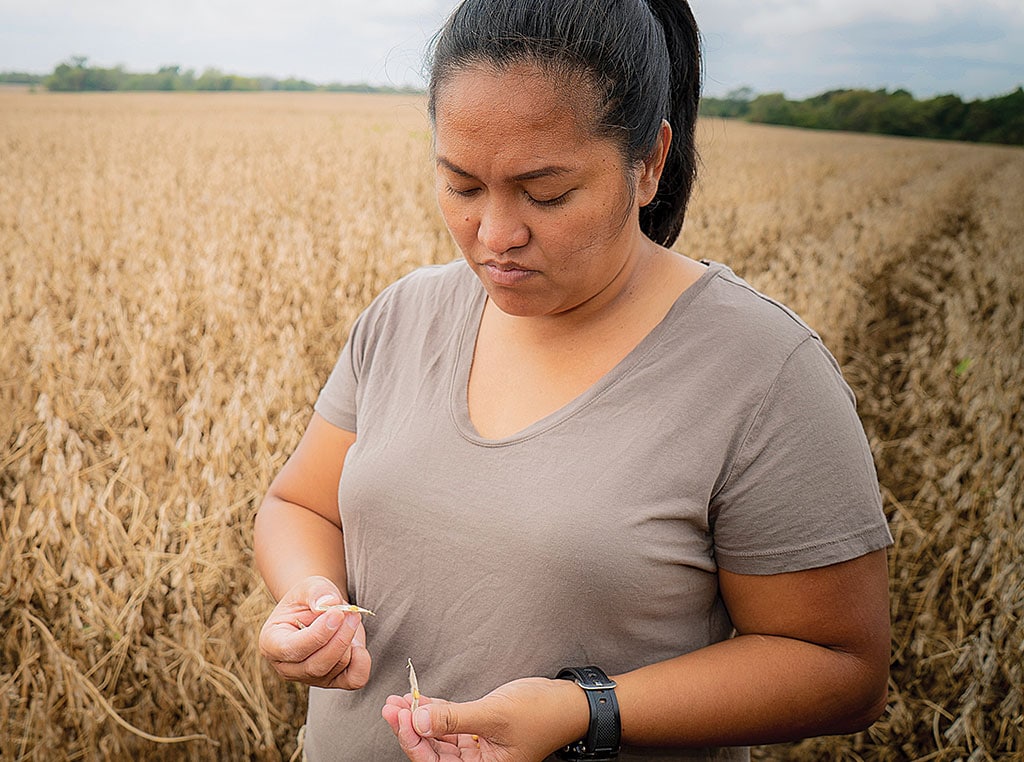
column 356, row 673
column 400, row 702
column 329, row 661
column 390, row 714
column 308, row 594
column 319, row 591
column 333, row 630
column 437, row 719
column 416, row 748
column 318, row 650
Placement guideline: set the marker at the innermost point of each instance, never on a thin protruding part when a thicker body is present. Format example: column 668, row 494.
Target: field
column 178, row 273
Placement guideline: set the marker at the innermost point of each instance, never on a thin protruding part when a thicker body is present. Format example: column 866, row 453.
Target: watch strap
column 601, row 743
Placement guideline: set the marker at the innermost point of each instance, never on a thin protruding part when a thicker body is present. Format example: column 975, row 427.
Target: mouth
column 505, row 265
column 506, row 273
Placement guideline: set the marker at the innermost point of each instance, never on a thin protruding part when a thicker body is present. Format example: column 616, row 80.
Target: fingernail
column 333, row 620
column 325, row 600
column 352, row 620
column 421, row 721
column 358, row 642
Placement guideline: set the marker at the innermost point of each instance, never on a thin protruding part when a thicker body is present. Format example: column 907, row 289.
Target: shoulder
column 427, row 305
column 798, row 487
column 425, row 293
column 751, row 319
column 742, row 337
column 431, row 284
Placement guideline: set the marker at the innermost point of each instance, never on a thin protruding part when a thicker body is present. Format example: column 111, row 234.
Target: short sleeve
column 337, row 399
column 802, row 491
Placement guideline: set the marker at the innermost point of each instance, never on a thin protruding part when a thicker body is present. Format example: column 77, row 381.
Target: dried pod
column 414, row 686
column 347, row 607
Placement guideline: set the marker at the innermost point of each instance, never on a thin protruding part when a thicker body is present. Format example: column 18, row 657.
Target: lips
column 506, row 273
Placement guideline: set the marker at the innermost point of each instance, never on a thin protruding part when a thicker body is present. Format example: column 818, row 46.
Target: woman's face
column 539, row 206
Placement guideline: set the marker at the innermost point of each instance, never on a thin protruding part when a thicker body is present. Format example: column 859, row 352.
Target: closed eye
column 550, row 202
column 461, row 192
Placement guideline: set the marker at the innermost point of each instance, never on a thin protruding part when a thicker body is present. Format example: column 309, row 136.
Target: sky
column 973, row 48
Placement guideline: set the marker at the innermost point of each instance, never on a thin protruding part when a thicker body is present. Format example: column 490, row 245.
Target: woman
column 576, row 448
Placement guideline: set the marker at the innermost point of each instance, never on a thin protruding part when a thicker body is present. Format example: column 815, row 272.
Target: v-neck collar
column 459, row 392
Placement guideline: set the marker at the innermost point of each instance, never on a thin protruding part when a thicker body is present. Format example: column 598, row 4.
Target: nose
column 500, row 227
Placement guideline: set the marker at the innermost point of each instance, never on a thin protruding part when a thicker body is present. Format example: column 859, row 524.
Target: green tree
column 68, row 76
column 944, row 116
column 771, row 108
column 736, row 103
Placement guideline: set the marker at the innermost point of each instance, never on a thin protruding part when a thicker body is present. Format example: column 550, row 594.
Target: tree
column 771, row 108
column 67, row 77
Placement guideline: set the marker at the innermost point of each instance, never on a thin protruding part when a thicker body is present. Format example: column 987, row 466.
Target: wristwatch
column 601, row 743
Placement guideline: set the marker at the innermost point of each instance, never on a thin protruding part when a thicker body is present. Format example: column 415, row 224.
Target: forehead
column 509, row 110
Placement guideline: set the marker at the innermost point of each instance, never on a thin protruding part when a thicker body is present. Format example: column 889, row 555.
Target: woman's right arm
column 298, row 527
column 300, row 552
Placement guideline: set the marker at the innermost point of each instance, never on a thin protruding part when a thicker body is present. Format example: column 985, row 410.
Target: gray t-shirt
column 727, row 437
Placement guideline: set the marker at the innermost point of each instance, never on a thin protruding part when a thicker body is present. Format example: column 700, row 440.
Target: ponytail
column 641, row 57
column 662, row 219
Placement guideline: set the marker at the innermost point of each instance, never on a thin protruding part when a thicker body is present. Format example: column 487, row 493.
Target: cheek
column 454, row 217
column 590, row 230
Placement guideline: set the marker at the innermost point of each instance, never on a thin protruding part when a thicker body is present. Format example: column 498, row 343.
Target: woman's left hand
column 522, row 721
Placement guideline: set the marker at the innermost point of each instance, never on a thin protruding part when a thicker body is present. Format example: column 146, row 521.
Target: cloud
column 800, row 47
column 805, row 47
column 789, row 18
column 350, row 40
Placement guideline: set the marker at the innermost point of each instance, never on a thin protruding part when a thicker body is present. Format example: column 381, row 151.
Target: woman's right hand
column 326, row 649
column 521, row 721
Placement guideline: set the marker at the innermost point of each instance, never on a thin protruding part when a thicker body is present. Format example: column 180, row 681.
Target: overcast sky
column 974, row 48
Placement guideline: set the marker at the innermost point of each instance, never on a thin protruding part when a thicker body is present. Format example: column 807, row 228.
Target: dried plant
column 179, row 272
column 414, row 687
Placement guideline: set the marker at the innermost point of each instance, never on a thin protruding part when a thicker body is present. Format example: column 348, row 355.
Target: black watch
column 601, row 743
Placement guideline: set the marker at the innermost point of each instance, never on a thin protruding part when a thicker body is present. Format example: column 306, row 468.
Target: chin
column 515, row 307
column 519, row 304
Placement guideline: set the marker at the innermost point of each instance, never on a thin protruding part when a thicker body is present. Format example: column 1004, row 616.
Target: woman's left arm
column 811, row 657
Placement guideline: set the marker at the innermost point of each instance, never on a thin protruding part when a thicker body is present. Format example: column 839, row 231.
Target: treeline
column 76, row 76
column 997, row 120
column 20, row 78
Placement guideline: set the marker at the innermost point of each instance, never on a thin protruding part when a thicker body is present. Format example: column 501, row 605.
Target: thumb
column 442, row 718
column 314, row 592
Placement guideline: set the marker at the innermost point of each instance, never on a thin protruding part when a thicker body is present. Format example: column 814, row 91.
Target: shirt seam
column 757, row 414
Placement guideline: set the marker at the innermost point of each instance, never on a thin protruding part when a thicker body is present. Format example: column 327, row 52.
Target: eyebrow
column 552, row 170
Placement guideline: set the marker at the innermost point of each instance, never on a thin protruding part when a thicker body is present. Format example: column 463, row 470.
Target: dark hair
column 642, row 58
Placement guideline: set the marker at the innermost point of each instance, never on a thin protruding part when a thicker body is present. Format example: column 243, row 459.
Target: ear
column 654, row 165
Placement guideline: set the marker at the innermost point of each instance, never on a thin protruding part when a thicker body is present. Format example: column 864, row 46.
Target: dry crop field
column 177, row 275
